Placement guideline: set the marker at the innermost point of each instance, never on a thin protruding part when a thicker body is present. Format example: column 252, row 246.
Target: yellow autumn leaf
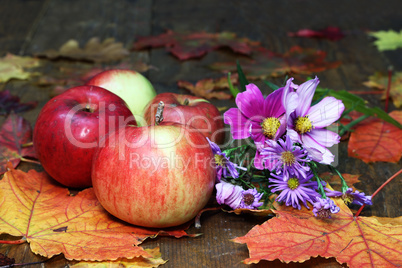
column 138, row 262
column 13, row 67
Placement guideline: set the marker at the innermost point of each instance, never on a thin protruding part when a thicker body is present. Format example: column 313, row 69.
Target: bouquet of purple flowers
column 288, row 132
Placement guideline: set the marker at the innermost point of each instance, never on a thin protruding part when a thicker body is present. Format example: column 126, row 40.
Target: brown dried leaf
column 93, row 51
column 207, row 88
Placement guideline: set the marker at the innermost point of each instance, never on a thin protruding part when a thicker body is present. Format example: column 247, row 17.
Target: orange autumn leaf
column 296, row 236
column 45, row 215
column 377, row 140
column 335, row 181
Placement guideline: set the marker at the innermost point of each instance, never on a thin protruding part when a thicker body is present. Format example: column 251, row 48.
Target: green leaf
column 271, row 85
column 356, row 103
column 242, row 78
column 387, row 40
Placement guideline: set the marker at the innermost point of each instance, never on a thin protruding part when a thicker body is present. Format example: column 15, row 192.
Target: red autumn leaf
column 10, row 103
column 331, row 33
column 208, row 88
column 44, row 214
column 15, row 139
column 193, row 45
column 266, row 64
column 377, row 140
column 5, row 261
column 296, row 236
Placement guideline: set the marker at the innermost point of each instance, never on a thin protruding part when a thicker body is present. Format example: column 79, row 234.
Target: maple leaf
column 186, row 46
column 15, row 134
column 331, row 33
column 268, row 64
column 206, row 88
column 93, row 51
column 44, row 214
column 387, row 40
column 380, row 81
column 377, row 140
column 335, row 181
column 13, row 67
column 10, row 103
column 155, row 261
column 296, row 236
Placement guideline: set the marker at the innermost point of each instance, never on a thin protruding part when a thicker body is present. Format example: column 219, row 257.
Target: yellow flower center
column 348, row 199
column 293, row 183
column 270, row 126
column 288, row 158
column 220, row 160
column 303, row 124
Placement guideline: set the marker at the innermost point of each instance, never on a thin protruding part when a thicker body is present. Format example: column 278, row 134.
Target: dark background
column 32, row 26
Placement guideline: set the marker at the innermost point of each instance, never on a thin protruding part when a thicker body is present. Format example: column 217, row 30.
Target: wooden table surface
column 31, row 26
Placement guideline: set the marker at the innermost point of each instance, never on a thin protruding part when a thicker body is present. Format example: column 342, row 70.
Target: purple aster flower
column 260, row 162
column 250, row 199
column 323, row 208
column 306, row 124
column 287, row 157
column 229, row 194
column 223, row 165
column 351, row 197
column 264, row 117
column 236, row 197
column 295, row 190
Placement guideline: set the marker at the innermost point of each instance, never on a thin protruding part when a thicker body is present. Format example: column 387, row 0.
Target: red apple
column 68, row 130
column 154, row 176
column 129, row 85
column 189, row 110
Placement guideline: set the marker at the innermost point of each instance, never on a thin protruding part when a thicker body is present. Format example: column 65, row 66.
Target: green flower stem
column 344, row 184
column 320, row 187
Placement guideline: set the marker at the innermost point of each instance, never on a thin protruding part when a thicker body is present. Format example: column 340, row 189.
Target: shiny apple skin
column 149, row 176
column 189, row 110
column 66, row 134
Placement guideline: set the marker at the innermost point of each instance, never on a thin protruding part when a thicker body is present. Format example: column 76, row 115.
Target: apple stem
column 159, row 113
column 30, row 161
column 197, row 223
column 186, row 102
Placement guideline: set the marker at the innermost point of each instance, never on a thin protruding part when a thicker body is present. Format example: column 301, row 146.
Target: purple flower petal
column 273, row 106
column 251, row 101
column 327, row 111
column 306, row 92
column 326, row 156
column 324, row 137
column 239, row 124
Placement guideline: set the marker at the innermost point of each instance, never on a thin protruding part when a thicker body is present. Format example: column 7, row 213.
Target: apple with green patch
column 131, row 86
